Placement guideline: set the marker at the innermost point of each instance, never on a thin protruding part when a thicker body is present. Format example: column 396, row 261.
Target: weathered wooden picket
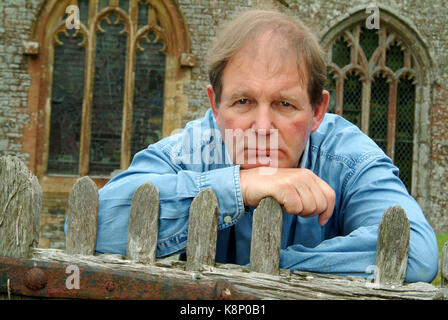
column 27, row 271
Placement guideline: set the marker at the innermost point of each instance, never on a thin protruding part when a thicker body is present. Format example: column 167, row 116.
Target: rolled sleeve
column 225, row 182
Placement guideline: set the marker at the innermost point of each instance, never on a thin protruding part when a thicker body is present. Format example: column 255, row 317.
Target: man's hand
column 299, row 191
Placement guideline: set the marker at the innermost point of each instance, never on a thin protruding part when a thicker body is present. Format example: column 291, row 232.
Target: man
column 267, row 134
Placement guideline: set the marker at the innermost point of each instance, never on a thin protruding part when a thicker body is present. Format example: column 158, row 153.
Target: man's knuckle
column 332, row 195
column 307, row 173
column 322, row 207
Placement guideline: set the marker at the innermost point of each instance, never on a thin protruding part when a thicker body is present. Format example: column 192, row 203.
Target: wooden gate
column 77, row 273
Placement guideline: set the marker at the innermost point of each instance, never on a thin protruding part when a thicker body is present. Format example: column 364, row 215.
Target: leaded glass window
column 368, row 40
column 148, row 94
column 107, row 86
column 66, row 101
column 331, row 87
column 108, row 95
column 404, row 130
column 379, row 103
column 376, row 75
column 394, row 57
column 352, row 98
column 341, row 52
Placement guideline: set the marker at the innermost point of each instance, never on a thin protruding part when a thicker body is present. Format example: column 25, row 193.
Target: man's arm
column 177, row 188
column 371, row 189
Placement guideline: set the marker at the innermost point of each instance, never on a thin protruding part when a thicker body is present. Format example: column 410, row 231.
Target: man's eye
column 242, row 101
column 285, row 104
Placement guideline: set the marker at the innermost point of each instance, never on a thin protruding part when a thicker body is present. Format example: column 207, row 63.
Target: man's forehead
column 283, row 82
column 270, row 52
column 293, row 92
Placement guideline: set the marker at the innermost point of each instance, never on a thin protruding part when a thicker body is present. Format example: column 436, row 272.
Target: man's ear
column 320, row 110
column 212, row 100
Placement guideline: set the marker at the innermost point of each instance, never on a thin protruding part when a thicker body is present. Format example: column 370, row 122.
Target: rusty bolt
column 35, row 279
column 110, row 286
column 225, row 294
column 223, row 290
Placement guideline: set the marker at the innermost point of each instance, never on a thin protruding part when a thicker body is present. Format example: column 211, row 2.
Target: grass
column 442, row 238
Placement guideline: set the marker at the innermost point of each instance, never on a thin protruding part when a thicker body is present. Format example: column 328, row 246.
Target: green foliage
column 442, row 238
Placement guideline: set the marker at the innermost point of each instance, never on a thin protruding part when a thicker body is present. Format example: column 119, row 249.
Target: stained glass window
column 124, row 4
column 83, row 6
column 108, row 95
column 142, row 14
column 148, row 93
column 66, row 103
column 122, row 84
column 102, row 4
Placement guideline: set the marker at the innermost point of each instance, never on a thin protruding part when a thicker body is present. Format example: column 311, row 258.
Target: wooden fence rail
column 28, row 271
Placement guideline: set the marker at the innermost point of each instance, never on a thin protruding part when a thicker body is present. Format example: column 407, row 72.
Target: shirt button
column 227, row 219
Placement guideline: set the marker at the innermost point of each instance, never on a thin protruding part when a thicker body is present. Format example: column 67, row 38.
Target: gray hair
column 252, row 23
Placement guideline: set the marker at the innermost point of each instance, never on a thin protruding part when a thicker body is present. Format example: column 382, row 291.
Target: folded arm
column 372, row 189
column 177, row 188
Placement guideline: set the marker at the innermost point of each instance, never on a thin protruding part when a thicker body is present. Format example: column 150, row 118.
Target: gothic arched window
column 104, row 90
column 372, row 77
column 107, row 91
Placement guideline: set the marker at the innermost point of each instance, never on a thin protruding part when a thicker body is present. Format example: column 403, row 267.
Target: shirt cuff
column 225, row 182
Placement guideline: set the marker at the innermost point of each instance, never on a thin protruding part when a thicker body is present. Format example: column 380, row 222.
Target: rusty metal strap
column 28, row 277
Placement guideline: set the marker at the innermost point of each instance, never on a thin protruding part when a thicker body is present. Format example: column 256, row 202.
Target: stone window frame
column 425, row 81
column 179, row 62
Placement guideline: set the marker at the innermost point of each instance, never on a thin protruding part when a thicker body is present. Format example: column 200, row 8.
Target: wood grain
column 82, row 217
column 202, row 230
column 20, row 208
column 392, row 247
column 444, row 265
column 143, row 224
column 284, row 286
column 266, row 237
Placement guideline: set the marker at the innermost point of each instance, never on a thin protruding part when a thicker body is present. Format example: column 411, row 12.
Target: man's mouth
column 261, row 151
column 264, row 156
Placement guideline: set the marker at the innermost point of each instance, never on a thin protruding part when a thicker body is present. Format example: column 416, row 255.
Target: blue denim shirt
column 364, row 179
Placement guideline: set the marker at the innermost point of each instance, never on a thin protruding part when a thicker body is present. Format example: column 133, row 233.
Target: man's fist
column 299, row 191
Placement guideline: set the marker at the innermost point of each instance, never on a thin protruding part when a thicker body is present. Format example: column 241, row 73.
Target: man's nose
column 263, row 120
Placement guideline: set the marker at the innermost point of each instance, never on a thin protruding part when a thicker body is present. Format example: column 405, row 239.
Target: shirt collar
column 302, row 163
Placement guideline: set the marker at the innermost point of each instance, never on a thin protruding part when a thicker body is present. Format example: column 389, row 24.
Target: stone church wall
column 203, row 19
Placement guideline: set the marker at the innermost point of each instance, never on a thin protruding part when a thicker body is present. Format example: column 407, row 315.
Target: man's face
column 264, row 97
